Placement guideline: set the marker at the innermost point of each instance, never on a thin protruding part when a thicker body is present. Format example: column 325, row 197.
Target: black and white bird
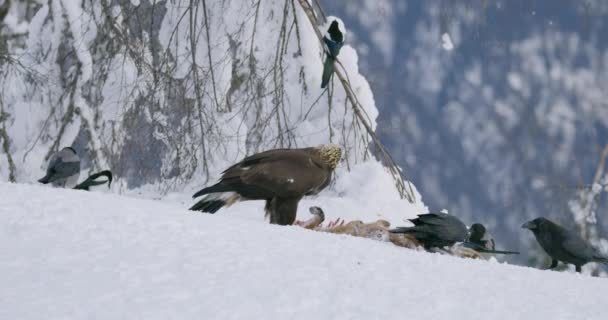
column 562, row 244
column 97, row 179
column 63, row 169
column 333, row 39
column 481, row 240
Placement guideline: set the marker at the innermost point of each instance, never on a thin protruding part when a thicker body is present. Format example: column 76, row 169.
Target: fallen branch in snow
column 395, row 171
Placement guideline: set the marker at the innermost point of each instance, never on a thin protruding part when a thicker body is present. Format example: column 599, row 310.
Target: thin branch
column 217, row 104
column 6, row 144
column 197, row 86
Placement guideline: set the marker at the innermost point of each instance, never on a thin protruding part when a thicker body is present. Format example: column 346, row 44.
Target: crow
column 481, row 241
column 281, row 177
column 435, row 230
column 562, row 244
column 63, row 169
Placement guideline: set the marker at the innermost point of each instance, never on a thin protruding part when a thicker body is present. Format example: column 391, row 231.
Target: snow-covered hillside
column 78, row 255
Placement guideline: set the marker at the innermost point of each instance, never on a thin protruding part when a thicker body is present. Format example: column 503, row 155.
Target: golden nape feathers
column 330, row 154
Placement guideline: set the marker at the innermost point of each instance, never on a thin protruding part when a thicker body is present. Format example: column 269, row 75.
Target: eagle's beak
column 529, row 225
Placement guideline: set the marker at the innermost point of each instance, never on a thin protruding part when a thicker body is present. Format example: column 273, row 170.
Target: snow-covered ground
column 68, row 254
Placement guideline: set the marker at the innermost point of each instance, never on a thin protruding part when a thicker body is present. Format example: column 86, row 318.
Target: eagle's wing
column 275, row 173
column 261, row 157
column 292, row 175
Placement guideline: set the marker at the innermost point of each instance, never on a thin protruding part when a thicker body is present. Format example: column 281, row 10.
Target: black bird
column 562, row 244
column 334, row 39
column 435, row 230
column 63, row 169
column 481, row 241
column 96, row 179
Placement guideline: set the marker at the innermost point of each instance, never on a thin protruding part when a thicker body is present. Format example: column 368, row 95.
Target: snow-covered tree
column 167, row 93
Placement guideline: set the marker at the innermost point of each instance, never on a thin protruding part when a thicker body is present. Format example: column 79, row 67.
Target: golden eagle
column 281, row 177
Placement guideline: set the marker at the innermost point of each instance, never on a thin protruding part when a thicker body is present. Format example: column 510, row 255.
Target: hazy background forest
column 496, row 110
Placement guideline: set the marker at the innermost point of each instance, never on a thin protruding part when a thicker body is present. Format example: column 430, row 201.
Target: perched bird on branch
column 333, row 39
column 281, row 177
column 562, row 244
column 480, row 240
column 96, row 179
column 435, row 230
column 63, row 169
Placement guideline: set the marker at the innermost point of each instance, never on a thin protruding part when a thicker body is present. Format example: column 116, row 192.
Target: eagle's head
column 331, row 154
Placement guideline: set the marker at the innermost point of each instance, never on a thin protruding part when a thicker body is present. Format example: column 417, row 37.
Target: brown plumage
column 281, row 177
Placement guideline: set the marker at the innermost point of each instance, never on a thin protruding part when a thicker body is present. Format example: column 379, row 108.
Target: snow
column 75, row 254
column 446, row 42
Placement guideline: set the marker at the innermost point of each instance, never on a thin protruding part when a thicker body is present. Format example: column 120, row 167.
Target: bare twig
column 6, row 144
column 217, row 104
column 197, row 85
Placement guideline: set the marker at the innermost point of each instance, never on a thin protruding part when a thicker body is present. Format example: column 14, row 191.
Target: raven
column 435, row 230
column 562, row 244
column 281, row 177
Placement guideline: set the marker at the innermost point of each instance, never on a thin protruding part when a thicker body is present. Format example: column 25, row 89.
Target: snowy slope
column 77, row 255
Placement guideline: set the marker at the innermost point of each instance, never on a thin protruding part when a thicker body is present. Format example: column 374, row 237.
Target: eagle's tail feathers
column 212, row 202
column 211, row 206
column 218, row 187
